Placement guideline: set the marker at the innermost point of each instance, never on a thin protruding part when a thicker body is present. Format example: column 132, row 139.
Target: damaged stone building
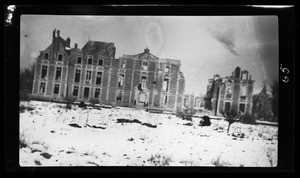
column 231, row 91
column 93, row 74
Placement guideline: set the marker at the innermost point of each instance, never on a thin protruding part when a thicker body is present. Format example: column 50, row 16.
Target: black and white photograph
column 128, row 90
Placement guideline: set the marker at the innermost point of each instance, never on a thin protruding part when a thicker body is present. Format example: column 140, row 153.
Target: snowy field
column 52, row 136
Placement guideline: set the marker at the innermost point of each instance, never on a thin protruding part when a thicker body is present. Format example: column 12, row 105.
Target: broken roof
column 146, row 55
column 96, row 48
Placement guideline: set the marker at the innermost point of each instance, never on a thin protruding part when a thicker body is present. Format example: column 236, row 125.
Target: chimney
column 250, row 77
column 58, row 33
column 53, row 36
column 237, row 72
column 75, row 45
column 68, row 40
column 146, row 50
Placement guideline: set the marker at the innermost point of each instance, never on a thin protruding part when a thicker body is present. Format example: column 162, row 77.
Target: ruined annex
column 231, row 91
column 93, row 74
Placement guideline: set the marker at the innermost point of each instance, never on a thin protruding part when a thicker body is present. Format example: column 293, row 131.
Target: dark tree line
column 26, row 81
column 266, row 106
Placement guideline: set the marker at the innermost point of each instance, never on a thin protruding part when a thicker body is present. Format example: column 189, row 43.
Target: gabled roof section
column 146, row 55
column 97, row 48
column 61, row 41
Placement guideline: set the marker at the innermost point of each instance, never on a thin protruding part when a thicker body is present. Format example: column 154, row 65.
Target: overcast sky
column 205, row 45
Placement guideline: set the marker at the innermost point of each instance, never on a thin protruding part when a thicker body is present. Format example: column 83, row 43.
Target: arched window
column 90, row 61
column 228, row 92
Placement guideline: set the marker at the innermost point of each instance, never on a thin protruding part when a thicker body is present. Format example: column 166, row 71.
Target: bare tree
column 231, row 115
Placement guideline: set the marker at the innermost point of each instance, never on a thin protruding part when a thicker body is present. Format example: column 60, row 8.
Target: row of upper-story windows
column 89, row 61
column 88, row 76
column 59, row 56
column 243, row 92
column 78, row 59
column 100, row 62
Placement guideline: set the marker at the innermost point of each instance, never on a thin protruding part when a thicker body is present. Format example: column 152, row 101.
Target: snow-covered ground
column 47, row 139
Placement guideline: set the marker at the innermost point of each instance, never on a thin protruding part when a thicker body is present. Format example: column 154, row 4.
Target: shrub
column 94, row 101
column 70, row 101
column 248, row 119
column 205, row 121
column 82, row 105
column 160, row 160
column 46, row 155
column 37, row 162
column 219, row 162
column 186, row 114
column 23, row 108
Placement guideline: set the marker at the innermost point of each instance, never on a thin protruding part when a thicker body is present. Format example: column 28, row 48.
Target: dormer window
column 122, row 64
column 145, row 65
column 90, row 61
column 167, row 68
column 59, row 58
column 244, row 76
column 100, row 62
column 46, row 55
column 79, row 59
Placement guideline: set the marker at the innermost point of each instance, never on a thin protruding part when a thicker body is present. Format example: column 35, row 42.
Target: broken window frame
column 167, row 68
column 120, row 82
column 75, row 88
column 145, row 67
column 144, row 82
column 228, row 94
column 77, row 75
column 97, row 93
column 244, row 76
column 166, row 86
column 196, row 102
column 243, row 92
column 42, row 88
column 123, row 64
column 44, row 72
column 119, row 96
column 56, row 89
column 58, row 77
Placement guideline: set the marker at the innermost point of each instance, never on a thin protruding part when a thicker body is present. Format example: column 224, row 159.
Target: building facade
column 93, row 74
column 231, row 91
column 191, row 101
